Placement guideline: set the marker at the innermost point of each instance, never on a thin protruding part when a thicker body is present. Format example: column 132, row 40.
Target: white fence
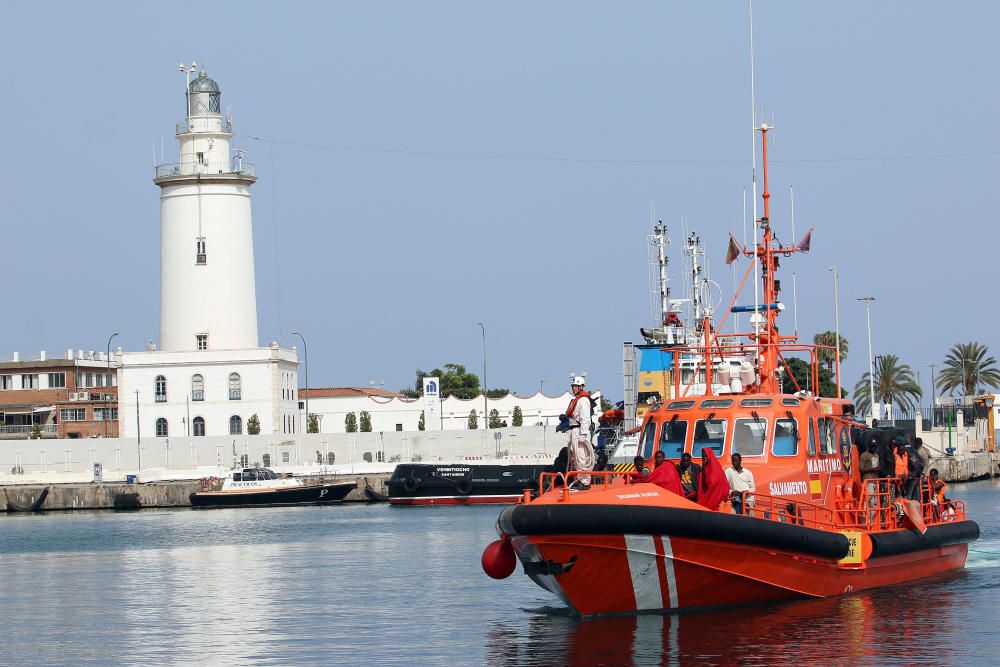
column 72, row 460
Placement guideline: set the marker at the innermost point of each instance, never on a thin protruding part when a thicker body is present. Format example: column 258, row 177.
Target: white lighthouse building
column 209, row 375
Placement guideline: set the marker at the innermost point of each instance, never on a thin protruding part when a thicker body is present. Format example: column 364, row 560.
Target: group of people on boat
column 706, row 484
column 908, row 462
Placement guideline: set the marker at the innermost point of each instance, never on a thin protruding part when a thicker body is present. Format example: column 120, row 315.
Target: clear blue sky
column 386, row 260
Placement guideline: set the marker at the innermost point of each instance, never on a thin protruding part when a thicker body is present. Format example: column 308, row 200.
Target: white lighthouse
column 207, row 295
column 209, row 377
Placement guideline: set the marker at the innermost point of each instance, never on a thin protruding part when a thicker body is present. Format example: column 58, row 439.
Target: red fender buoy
column 499, row 560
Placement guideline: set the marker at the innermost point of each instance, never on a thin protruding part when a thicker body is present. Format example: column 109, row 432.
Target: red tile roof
column 347, row 392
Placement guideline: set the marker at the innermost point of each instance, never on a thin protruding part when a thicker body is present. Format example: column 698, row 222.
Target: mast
column 694, row 250
column 769, row 339
column 660, row 241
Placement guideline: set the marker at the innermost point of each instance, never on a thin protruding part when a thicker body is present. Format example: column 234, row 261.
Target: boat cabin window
column 687, row 374
column 786, row 437
column 237, row 477
column 748, row 436
column 673, row 435
column 708, row 434
column 680, row 405
column 717, row 403
column 812, row 437
column 792, row 402
column 756, row 403
column 647, row 440
column 826, row 446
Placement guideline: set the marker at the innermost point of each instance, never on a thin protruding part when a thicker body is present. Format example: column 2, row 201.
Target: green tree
column 497, row 393
column 517, row 419
column 365, row 422
column 967, row 367
column 894, row 385
column 800, row 371
column 494, row 421
column 473, row 420
column 351, row 423
column 253, row 425
column 421, row 425
column 455, row 381
column 606, row 405
column 829, row 340
column 36, row 431
column 313, row 426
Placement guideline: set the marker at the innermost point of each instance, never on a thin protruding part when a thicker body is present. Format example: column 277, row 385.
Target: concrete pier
column 116, row 495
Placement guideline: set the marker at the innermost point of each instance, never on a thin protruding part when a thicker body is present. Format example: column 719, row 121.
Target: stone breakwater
column 121, row 496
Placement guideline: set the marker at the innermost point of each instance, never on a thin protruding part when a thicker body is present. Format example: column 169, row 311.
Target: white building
column 390, row 411
column 209, row 376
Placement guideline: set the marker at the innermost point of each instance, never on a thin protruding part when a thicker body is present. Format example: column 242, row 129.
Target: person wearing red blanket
column 665, row 475
column 713, row 487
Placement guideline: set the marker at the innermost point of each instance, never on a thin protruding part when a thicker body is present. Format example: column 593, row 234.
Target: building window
column 161, row 428
column 330, row 458
column 285, row 457
column 197, row 388
column 199, row 426
column 57, row 380
column 200, row 256
column 266, row 458
column 235, row 425
column 6, row 382
column 100, row 379
column 399, row 427
column 105, row 414
column 160, row 389
column 29, row 381
column 202, row 340
column 234, row 387
column 73, row 415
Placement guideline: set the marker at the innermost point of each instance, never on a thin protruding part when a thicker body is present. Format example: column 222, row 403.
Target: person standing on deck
column 869, row 467
column 581, row 454
column 740, row 479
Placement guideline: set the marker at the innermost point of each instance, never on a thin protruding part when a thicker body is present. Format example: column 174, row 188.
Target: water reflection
column 908, row 624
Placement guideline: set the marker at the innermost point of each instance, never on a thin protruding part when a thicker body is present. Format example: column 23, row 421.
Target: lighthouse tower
column 207, row 294
column 209, row 376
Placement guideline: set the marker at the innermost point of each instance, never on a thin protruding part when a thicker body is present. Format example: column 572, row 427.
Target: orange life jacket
column 902, row 464
column 572, row 404
column 939, row 487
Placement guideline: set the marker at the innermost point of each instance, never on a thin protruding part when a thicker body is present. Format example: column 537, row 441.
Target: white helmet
column 577, row 381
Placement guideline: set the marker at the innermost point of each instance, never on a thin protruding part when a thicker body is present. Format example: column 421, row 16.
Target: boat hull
column 629, row 572
column 428, row 484
column 317, row 494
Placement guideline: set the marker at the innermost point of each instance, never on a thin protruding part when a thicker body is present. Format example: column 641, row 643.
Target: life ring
column 411, row 484
column 464, row 486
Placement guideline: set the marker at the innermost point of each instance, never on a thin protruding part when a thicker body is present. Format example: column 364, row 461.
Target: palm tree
column 829, row 339
column 894, row 385
column 968, row 366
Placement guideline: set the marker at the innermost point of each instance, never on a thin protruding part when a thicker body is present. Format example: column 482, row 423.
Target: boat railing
column 877, row 508
column 548, row 481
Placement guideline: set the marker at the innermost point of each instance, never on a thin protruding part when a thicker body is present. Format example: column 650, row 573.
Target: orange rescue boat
column 810, row 527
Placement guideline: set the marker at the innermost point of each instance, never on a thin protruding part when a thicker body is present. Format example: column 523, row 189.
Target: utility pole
column 107, row 426
column 836, row 319
column 933, row 386
column 486, row 409
column 305, row 355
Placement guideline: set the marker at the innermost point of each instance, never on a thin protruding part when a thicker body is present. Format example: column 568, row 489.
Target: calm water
column 384, row 585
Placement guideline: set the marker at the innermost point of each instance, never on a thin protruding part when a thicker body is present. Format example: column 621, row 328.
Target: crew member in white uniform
column 581, row 454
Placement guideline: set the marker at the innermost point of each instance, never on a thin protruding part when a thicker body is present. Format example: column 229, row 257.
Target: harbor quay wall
column 72, row 460
column 122, row 496
column 966, row 468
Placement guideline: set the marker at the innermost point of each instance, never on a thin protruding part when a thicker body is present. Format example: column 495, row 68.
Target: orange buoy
column 498, row 559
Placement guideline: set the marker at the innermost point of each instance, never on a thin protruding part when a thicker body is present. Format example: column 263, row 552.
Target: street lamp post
column 871, row 369
column 541, row 385
column 305, row 351
column 836, row 319
column 138, row 433
column 933, row 386
column 107, row 426
column 486, row 409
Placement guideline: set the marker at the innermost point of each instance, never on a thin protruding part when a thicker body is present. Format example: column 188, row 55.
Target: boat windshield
column 708, row 434
column 748, row 436
column 786, row 437
column 647, row 440
column 673, row 434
